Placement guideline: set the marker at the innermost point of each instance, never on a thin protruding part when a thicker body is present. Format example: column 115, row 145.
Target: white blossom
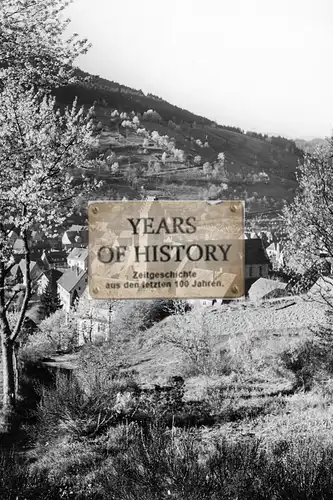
column 221, row 158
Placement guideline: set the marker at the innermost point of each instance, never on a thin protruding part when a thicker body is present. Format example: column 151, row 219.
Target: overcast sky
column 262, row 65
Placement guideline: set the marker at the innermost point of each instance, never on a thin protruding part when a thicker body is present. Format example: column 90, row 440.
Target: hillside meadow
column 244, row 383
column 245, row 157
column 246, row 153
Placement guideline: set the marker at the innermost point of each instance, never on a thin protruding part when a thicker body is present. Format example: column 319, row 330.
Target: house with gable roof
column 75, row 237
column 71, row 286
column 78, row 257
column 36, row 270
column 55, row 259
column 50, row 276
column 18, row 246
column 275, row 254
column 94, row 319
column 41, row 242
column 257, row 263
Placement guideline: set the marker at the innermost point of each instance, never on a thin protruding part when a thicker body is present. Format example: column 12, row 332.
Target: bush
column 196, row 343
column 160, row 463
column 16, row 483
column 76, row 411
column 306, row 361
column 131, row 316
column 56, row 333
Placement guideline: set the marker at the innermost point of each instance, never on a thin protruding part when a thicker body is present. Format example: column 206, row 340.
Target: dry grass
column 254, row 335
column 254, row 403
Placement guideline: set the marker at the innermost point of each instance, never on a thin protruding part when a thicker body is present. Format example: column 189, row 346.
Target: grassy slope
column 261, row 330
column 256, row 396
column 269, row 326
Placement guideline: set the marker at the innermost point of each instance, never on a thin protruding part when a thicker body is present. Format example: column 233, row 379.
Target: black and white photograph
column 166, row 250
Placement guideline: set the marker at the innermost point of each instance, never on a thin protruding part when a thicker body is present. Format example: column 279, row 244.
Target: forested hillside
column 257, row 168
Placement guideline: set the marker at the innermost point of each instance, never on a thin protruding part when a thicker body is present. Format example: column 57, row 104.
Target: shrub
column 76, row 411
column 305, row 361
column 196, row 343
column 16, row 483
column 160, row 463
column 79, row 411
column 133, row 316
column 56, row 333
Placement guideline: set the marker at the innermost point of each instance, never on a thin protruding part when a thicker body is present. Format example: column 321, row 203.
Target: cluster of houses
column 63, row 263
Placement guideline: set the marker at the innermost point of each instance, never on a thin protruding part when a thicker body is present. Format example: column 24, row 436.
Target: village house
column 18, row 245
column 55, row 259
column 257, row 264
column 40, row 242
column 78, row 257
column 254, row 235
column 94, row 319
column 71, row 286
column 275, row 254
column 75, row 237
column 18, row 271
column 47, row 277
column 37, row 241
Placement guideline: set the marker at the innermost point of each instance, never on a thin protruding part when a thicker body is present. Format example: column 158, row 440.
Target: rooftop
column 55, row 256
column 70, row 279
column 36, row 268
column 78, row 253
column 52, row 275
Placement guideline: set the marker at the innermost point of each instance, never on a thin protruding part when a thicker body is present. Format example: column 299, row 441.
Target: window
column 255, row 271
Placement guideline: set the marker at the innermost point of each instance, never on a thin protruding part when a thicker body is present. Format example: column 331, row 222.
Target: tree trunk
column 9, row 346
column 16, row 367
column 8, row 372
column 8, row 377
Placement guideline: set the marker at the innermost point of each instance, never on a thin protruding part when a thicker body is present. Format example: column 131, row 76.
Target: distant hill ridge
column 248, row 154
column 110, row 93
column 311, row 145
